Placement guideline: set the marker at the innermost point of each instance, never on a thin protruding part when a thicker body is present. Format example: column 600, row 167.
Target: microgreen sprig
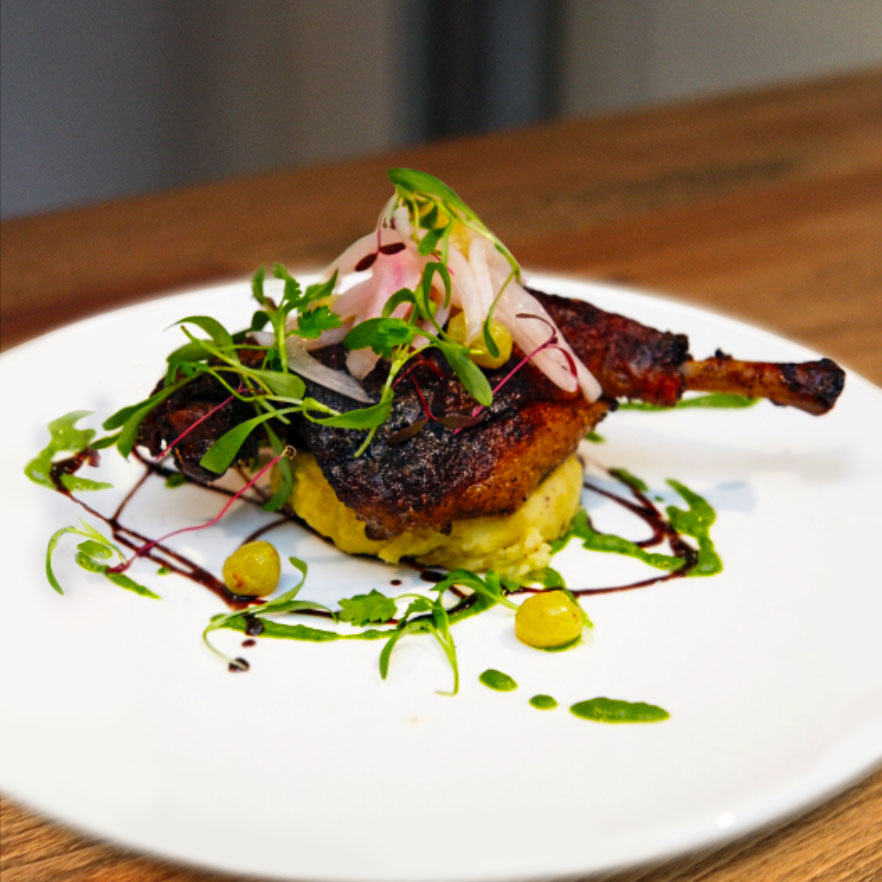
column 65, row 437
column 93, row 555
column 435, row 208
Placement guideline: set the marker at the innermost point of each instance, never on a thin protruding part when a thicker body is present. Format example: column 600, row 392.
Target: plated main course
column 422, row 404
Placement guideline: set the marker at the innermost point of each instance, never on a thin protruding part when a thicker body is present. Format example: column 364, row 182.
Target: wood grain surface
column 767, row 206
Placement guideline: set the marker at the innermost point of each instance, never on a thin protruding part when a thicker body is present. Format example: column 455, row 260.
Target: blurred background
column 109, row 98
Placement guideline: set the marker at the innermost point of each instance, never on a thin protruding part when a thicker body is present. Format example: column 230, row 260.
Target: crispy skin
column 436, row 476
column 432, row 477
column 630, row 360
column 185, row 407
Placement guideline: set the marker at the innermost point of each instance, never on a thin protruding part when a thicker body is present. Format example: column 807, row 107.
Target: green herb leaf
column 413, row 182
column 281, row 383
column 64, row 437
column 121, row 580
column 423, row 193
column 417, row 605
column 386, row 651
column 129, row 418
column 285, row 473
column 363, row 609
column 311, row 323
column 320, row 290
column 359, row 418
column 218, row 333
column 430, row 240
column 222, row 453
column 94, row 546
column 257, row 281
column 189, row 352
column 491, row 585
column 469, row 374
column 382, row 335
column 403, row 295
column 441, row 632
column 75, row 483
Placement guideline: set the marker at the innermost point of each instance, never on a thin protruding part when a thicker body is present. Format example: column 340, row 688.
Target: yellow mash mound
column 512, row 545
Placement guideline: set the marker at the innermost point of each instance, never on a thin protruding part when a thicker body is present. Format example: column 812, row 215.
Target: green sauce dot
column 543, row 702
column 614, row 710
column 494, row 679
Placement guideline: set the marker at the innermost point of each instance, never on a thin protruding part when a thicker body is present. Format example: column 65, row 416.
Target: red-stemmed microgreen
column 122, row 567
column 195, row 424
column 92, row 555
column 553, row 342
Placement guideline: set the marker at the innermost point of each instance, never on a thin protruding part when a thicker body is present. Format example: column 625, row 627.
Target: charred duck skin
column 436, row 476
column 634, row 361
column 428, row 478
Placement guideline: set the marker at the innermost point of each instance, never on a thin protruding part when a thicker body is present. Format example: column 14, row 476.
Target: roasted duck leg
column 633, row 361
column 429, row 478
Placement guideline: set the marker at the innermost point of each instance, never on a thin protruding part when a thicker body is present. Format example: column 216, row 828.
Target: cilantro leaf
column 382, row 335
column 311, row 323
column 363, row 609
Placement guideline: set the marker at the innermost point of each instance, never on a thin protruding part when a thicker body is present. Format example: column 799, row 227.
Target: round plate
column 116, row 719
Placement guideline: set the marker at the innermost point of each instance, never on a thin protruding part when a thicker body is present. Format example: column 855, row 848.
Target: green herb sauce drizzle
column 614, row 710
column 498, row 681
column 712, row 399
column 695, row 521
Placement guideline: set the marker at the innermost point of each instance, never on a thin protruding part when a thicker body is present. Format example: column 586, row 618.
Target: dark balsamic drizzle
column 661, row 529
column 260, row 531
column 135, row 541
column 641, row 506
column 253, row 626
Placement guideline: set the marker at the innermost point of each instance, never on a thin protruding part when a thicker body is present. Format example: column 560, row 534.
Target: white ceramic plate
column 118, row 721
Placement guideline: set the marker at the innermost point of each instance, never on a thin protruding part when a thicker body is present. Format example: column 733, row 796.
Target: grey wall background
column 107, row 98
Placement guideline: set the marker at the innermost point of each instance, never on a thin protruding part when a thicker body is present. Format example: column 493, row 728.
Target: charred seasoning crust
column 437, row 476
column 168, row 420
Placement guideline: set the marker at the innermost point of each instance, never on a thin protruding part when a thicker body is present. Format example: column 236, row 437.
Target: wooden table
column 765, row 205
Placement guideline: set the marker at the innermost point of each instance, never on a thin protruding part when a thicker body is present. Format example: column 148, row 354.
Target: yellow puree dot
column 253, row 569
column 548, row 620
